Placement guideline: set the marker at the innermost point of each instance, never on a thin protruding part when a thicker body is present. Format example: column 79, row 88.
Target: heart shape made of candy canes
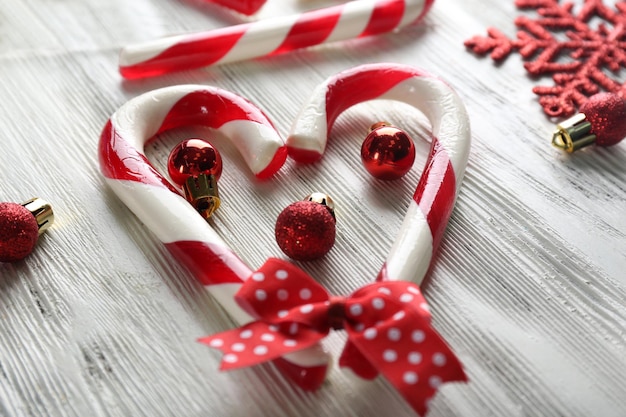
column 194, row 243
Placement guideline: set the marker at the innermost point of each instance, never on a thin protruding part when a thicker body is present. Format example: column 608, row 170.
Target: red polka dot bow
column 388, row 326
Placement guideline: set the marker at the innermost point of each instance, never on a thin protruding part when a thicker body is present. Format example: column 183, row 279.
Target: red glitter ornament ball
column 607, row 114
column 305, row 230
column 18, row 232
column 387, row 152
column 193, row 157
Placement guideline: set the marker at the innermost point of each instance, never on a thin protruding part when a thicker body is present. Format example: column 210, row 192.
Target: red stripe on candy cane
column 200, row 107
column 386, row 16
column 354, row 86
column 122, row 161
column 436, row 191
column 211, row 264
column 189, row 52
column 310, row 29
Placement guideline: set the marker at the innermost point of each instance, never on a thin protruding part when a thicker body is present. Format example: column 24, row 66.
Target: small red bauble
column 305, row 230
column 387, row 152
column 196, row 165
column 193, row 157
column 20, row 227
column 601, row 120
column 607, row 114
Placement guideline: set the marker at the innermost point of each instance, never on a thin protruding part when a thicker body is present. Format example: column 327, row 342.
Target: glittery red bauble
column 305, row 230
column 193, row 157
column 387, row 152
column 607, row 114
column 18, row 232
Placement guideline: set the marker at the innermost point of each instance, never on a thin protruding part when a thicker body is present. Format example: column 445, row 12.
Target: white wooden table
column 527, row 288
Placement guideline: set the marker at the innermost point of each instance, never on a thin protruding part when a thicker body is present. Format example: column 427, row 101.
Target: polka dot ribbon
column 388, row 327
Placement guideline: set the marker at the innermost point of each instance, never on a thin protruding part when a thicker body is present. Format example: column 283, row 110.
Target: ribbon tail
column 416, row 368
column 352, row 358
column 257, row 342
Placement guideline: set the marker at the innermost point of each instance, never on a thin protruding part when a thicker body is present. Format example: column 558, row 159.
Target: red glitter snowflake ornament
column 579, row 59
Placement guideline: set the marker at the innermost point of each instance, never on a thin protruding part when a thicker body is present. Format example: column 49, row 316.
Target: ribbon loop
column 277, row 288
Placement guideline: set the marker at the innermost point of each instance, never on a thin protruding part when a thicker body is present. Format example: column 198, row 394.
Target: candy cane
column 436, row 192
column 169, row 216
column 269, row 37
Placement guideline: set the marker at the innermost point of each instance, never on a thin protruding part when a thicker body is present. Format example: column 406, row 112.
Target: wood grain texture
column 528, row 285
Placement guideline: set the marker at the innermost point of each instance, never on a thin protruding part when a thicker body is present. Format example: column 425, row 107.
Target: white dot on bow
column 266, row 337
column 370, row 333
column 394, row 334
column 260, row 295
column 246, row 334
column 378, row 303
column 282, row 313
column 290, row 343
column 238, row 347
column 413, row 290
column 390, row 355
column 282, row 295
column 230, row 358
column 399, row 315
column 434, row 381
column 356, row 309
column 414, row 358
column 439, row 359
column 258, row 276
column 418, row 336
column 305, row 293
column 216, row 343
column 410, row 378
column 384, row 290
column 282, row 274
column 306, row 309
column 406, row 297
column 260, row 350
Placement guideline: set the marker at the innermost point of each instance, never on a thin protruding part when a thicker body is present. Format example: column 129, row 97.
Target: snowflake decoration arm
column 590, row 53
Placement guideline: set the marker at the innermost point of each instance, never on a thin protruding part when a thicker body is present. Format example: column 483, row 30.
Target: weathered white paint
column 528, row 286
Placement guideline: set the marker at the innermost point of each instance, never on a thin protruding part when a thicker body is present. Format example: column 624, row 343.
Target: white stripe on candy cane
column 412, row 249
column 264, row 36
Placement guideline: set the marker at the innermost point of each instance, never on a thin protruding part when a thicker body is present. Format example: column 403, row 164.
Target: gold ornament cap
column 42, row 210
column 202, row 192
column 323, row 199
column 573, row 134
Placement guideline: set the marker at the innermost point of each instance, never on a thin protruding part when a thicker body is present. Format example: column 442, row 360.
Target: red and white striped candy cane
column 169, row 216
column 436, row 192
column 273, row 36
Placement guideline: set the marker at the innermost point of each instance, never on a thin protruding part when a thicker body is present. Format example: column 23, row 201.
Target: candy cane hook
column 169, row 216
column 436, row 192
